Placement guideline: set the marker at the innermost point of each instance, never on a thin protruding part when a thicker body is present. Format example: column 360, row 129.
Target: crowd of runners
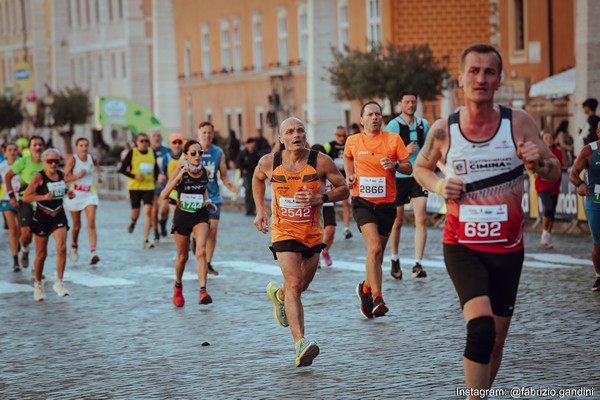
column 373, row 173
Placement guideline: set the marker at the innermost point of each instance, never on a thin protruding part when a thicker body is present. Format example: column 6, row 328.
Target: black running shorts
column 137, row 196
column 44, row 225
column 365, row 212
column 25, row 214
column 329, row 216
column 294, row 246
column 476, row 273
column 184, row 222
column 406, row 189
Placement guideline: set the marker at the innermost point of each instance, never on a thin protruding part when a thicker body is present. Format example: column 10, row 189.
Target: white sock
column 418, row 260
column 25, row 249
column 395, row 257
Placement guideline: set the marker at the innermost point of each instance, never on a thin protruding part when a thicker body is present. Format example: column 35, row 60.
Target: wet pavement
column 118, row 336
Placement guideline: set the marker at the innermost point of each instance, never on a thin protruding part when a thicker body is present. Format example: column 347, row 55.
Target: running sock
column 74, row 245
column 346, row 228
column 278, row 296
column 92, row 248
column 418, row 261
column 178, row 284
column 366, row 288
column 395, row 257
column 25, row 249
column 202, row 288
column 16, row 260
column 376, row 295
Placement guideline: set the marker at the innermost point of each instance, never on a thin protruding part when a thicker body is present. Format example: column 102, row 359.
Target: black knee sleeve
column 481, row 335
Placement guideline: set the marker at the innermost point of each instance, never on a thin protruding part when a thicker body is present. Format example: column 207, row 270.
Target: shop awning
column 558, row 85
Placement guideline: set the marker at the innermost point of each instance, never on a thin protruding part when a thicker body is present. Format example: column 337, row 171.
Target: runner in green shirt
column 26, row 168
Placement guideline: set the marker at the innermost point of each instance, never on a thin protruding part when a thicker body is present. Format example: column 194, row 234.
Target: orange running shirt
column 373, row 183
column 289, row 220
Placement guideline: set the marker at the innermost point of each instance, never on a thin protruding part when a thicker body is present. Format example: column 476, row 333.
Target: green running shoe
column 306, row 352
column 278, row 306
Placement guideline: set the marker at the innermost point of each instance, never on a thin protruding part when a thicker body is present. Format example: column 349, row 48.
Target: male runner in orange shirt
column 371, row 159
column 296, row 175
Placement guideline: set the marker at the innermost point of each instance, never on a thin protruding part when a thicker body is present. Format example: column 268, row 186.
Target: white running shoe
column 59, row 288
column 73, row 256
column 94, row 259
column 38, row 291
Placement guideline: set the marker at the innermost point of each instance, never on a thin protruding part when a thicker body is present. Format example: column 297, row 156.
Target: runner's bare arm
column 583, row 161
column 69, row 170
column 349, row 169
column 97, row 168
column 30, row 196
column 172, row 183
column 536, row 156
column 225, row 177
column 8, row 180
column 333, row 175
column 261, row 173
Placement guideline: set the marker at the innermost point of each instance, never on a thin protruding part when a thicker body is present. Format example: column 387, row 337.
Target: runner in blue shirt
column 214, row 161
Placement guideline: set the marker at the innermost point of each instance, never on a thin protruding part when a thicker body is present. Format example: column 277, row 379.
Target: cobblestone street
column 118, row 336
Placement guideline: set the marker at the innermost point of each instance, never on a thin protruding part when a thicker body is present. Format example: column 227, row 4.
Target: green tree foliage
column 71, row 108
column 10, row 113
column 385, row 72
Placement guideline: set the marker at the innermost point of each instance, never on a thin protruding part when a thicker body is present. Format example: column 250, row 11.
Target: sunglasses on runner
column 177, row 142
column 194, row 153
column 54, row 161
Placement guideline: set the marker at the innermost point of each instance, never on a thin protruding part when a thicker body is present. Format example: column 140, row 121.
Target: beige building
column 248, row 59
column 104, row 46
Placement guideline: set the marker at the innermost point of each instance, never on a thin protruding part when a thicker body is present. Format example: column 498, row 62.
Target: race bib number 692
column 483, row 224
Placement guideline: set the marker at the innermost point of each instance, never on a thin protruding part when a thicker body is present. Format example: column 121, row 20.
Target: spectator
column 247, row 161
column 233, row 149
column 354, row 129
column 589, row 108
column 262, row 145
column 564, row 141
column 548, row 193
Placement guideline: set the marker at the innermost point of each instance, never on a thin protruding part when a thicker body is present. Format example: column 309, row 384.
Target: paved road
column 117, row 336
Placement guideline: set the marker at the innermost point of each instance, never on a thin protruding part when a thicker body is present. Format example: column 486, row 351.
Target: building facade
column 103, row 46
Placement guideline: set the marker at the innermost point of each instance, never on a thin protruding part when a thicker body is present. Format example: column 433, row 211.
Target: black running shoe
column 347, row 234
column 211, row 270
column 418, row 271
column 379, row 307
column 366, row 301
column 396, row 271
column 596, row 287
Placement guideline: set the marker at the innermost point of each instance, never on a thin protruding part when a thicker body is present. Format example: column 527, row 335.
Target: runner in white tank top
column 80, row 173
column 484, row 148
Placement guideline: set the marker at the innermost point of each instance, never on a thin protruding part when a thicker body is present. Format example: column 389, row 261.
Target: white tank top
column 85, row 183
column 489, row 216
column 16, row 181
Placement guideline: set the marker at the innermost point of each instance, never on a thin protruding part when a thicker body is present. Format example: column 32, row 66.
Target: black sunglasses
column 143, row 141
column 177, row 142
column 194, row 153
column 51, row 161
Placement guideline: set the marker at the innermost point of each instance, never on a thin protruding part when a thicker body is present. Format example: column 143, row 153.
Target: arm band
column 438, row 186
